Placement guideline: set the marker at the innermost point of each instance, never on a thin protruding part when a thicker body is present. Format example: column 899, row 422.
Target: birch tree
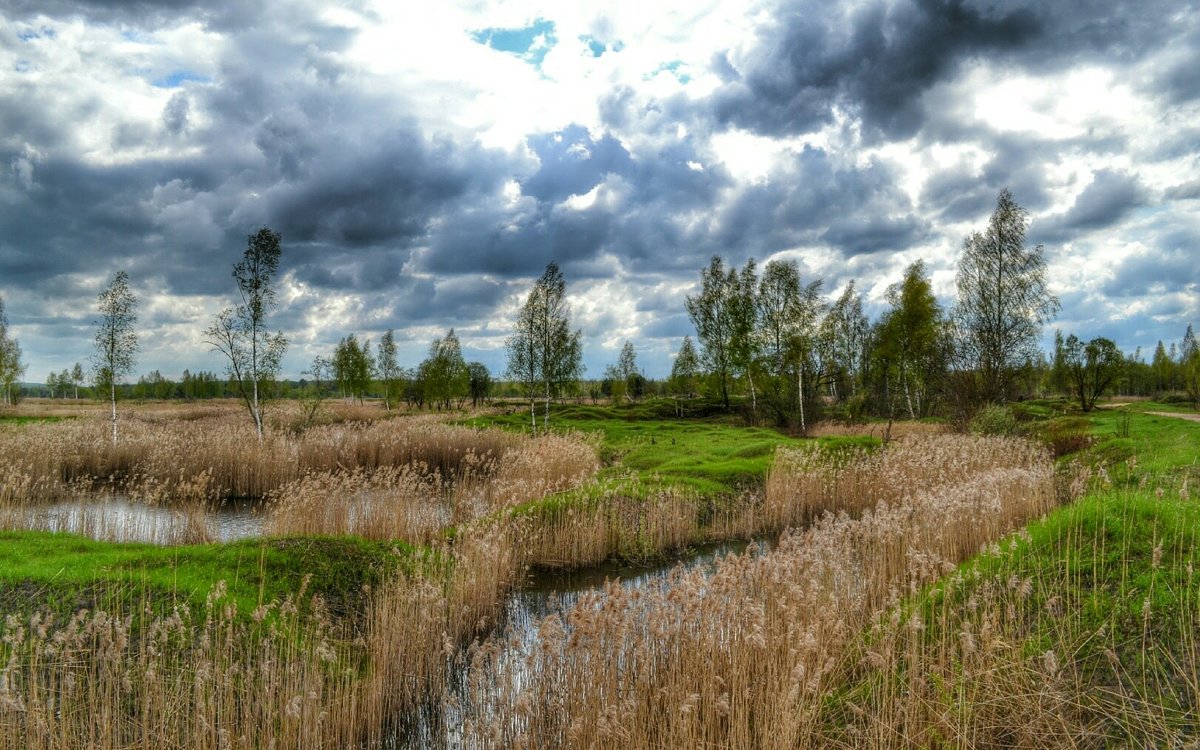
column 543, row 352
column 242, row 334
column 712, row 313
column 1003, row 300
column 115, row 339
column 11, row 368
column 912, row 350
column 787, row 313
column 387, row 368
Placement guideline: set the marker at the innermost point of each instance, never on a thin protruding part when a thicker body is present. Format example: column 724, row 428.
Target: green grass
column 712, row 456
column 1098, row 591
column 64, row 572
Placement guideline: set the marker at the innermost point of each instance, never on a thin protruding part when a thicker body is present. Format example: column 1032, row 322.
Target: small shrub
column 994, row 420
column 1066, row 435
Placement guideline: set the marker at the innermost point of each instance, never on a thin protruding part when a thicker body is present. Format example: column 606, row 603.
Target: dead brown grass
column 742, row 657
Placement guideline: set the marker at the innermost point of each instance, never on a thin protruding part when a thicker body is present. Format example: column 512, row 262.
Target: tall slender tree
column 1189, row 366
column 712, row 313
column 543, row 353
column 627, row 370
column 115, row 338
column 1003, row 300
column 11, row 367
column 787, row 314
column 242, row 333
column 912, row 345
column 387, row 368
column 77, row 378
column 843, row 344
column 352, row 367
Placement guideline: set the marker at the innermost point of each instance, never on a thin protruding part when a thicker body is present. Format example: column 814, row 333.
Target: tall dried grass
column 743, row 657
column 163, row 451
column 414, row 502
column 114, row 678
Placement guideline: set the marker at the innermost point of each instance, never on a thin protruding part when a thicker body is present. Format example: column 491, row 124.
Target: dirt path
column 1177, row 415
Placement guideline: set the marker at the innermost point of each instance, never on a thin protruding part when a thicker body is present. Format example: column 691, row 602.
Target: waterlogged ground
column 119, row 519
column 545, row 594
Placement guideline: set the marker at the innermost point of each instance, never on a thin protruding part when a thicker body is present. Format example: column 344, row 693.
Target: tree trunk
column 113, row 400
column 800, row 395
column 907, row 394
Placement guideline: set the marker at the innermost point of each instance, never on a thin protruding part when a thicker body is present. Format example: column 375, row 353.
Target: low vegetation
column 913, row 598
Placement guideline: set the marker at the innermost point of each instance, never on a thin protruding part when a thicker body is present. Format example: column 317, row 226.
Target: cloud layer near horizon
column 424, row 166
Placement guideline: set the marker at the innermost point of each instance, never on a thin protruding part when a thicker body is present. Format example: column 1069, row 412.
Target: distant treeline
column 767, row 343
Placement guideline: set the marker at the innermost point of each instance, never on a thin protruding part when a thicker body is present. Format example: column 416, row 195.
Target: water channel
column 547, row 593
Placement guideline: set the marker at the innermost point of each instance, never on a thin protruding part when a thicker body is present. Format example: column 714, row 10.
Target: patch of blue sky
column 21, row 66
column 530, row 43
column 29, row 34
column 675, row 68
column 177, row 78
column 597, row 47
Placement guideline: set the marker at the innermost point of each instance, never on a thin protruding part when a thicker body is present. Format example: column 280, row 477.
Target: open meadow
column 350, row 580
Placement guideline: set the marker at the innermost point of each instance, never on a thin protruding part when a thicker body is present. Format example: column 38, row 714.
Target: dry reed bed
column 743, row 657
column 110, row 679
column 413, row 503
column 214, row 454
column 624, row 518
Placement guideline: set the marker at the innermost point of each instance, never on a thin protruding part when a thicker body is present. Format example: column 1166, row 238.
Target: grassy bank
column 1079, row 631
column 63, row 572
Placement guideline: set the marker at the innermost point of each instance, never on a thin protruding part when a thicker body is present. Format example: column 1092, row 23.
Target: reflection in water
column 118, row 519
column 546, row 593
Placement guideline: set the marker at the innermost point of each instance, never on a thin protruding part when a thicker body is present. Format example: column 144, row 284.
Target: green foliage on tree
column 242, row 333
column 1003, row 301
column 843, row 343
column 353, row 367
column 912, row 345
column 545, row 357
column 1189, row 367
column 715, row 314
column 1091, row 368
column 787, row 315
column 479, row 383
column 444, row 374
column 685, row 371
column 115, row 338
column 388, row 369
column 11, row 368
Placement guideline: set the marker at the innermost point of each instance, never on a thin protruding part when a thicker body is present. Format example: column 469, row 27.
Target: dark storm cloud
column 572, row 163
column 1106, row 201
column 879, row 60
column 669, row 326
column 1169, row 268
column 855, row 209
column 144, row 14
column 641, row 215
column 1184, row 191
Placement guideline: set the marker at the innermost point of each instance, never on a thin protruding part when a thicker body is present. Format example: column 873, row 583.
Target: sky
column 423, row 162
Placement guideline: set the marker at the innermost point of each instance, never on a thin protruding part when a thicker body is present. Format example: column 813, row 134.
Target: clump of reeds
column 743, row 657
column 160, row 451
column 283, row 675
column 414, row 502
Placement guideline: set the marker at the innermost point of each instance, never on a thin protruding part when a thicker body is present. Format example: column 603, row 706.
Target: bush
column 994, row 420
column 1066, row 435
column 1173, row 398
